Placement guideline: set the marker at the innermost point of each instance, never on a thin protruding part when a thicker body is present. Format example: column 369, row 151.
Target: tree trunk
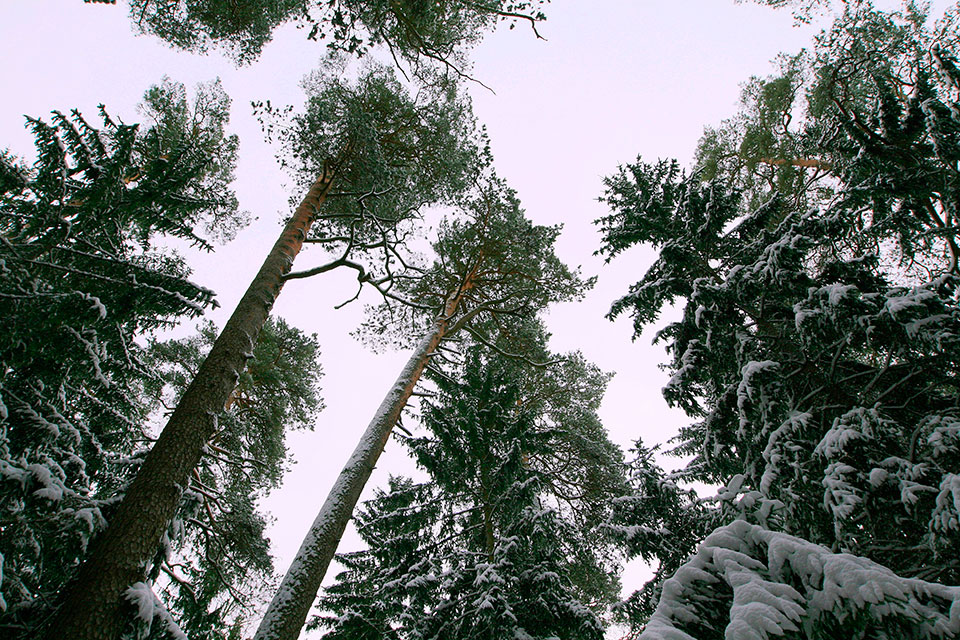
column 92, row 605
column 290, row 606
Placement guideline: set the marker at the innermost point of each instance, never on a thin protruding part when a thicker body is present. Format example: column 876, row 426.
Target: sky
column 614, row 79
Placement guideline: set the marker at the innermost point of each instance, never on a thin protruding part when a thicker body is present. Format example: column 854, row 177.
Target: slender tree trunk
column 290, row 606
column 92, row 605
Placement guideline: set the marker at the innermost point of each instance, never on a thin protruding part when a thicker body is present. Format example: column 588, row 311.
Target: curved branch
column 506, row 354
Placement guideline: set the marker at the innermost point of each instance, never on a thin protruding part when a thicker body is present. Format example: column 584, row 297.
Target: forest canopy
column 161, row 443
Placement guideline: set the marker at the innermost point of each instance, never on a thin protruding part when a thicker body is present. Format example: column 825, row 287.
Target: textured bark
column 290, row 606
column 92, row 605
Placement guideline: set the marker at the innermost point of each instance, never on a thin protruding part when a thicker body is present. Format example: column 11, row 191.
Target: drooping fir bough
column 388, row 154
column 80, row 280
column 747, row 581
column 814, row 246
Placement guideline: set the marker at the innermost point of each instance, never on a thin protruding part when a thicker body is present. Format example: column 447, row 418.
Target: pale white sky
column 615, row 78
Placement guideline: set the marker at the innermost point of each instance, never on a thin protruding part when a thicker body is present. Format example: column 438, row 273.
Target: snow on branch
column 149, row 608
column 762, row 584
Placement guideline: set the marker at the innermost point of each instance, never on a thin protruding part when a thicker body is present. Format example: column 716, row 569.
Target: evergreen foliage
column 658, row 520
column 391, row 153
column 814, row 248
column 490, row 257
column 214, row 564
column 80, row 279
column 748, row 582
column 492, row 265
column 412, row 30
column 373, row 135
column 495, row 544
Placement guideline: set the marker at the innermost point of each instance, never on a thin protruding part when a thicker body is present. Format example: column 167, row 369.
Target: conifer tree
column 80, row 281
column 660, row 521
column 746, row 581
column 814, row 247
column 492, row 545
column 391, row 154
column 491, row 264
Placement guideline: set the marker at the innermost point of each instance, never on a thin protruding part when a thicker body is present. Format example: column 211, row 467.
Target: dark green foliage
column 504, row 266
column 80, row 280
column 814, row 247
column 402, row 150
column 491, row 267
column 243, row 28
column 499, row 542
column 803, row 10
column 748, row 581
column 391, row 155
column 659, row 522
column 196, row 128
column 411, row 29
column 215, row 559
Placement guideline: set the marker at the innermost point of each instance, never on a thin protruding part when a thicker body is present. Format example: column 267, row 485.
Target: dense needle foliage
column 412, row 30
column 391, row 153
column 214, row 563
column 80, row 280
column 814, row 248
column 498, row 542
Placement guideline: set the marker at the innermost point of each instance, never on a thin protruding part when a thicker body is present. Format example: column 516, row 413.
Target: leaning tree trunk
column 288, row 610
column 91, row 607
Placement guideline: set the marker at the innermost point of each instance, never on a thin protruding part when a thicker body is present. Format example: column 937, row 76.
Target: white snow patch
column 781, row 583
column 149, row 608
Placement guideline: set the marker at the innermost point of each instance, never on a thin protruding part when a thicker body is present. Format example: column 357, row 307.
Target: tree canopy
column 813, row 247
column 82, row 278
column 413, row 31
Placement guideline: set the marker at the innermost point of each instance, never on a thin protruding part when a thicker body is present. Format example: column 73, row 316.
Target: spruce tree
column 491, row 545
column 660, row 521
column 81, row 279
column 814, row 248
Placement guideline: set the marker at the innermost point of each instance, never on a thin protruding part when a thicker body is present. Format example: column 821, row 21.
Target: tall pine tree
column 391, row 153
column 491, row 264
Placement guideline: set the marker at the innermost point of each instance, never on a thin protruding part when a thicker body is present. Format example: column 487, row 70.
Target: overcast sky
column 614, row 79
